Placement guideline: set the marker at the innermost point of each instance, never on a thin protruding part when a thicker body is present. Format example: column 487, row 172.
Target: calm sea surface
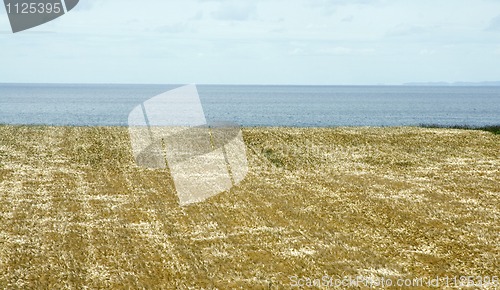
column 91, row 105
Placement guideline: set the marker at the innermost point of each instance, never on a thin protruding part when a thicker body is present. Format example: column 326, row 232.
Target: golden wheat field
column 76, row 212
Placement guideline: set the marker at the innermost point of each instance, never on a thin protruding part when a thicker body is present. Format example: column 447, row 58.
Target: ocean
column 253, row 105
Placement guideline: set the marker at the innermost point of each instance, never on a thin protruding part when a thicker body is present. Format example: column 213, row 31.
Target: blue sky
column 331, row 42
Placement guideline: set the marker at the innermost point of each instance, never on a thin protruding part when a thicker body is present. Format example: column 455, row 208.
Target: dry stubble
column 75, row 211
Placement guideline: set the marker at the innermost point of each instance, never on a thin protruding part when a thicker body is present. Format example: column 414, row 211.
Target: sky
column 301, row 42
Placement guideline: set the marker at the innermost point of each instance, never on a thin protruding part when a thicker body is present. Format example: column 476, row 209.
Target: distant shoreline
column 454, row 84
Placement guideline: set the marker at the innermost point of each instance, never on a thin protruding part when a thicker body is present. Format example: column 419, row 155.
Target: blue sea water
column 304, row 106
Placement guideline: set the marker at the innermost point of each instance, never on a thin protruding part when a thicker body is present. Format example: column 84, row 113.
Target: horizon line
column 408, row 84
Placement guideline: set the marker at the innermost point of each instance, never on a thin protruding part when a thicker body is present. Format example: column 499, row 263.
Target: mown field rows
column 76, row 212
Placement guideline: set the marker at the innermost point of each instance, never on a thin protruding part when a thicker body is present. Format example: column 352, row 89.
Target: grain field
column 76, row 212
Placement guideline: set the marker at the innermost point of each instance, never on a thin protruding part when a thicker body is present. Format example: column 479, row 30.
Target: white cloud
column 410, row 30
column 426, row 51
column 180, row 27
column 86, row 5
column 236, row 11
column 497, row 50
column 494, row 24
column 250, row 41
column 330, row 6
column 331, row 50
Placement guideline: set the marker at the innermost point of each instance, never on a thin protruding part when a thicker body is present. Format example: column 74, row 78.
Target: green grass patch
column 495, row 129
